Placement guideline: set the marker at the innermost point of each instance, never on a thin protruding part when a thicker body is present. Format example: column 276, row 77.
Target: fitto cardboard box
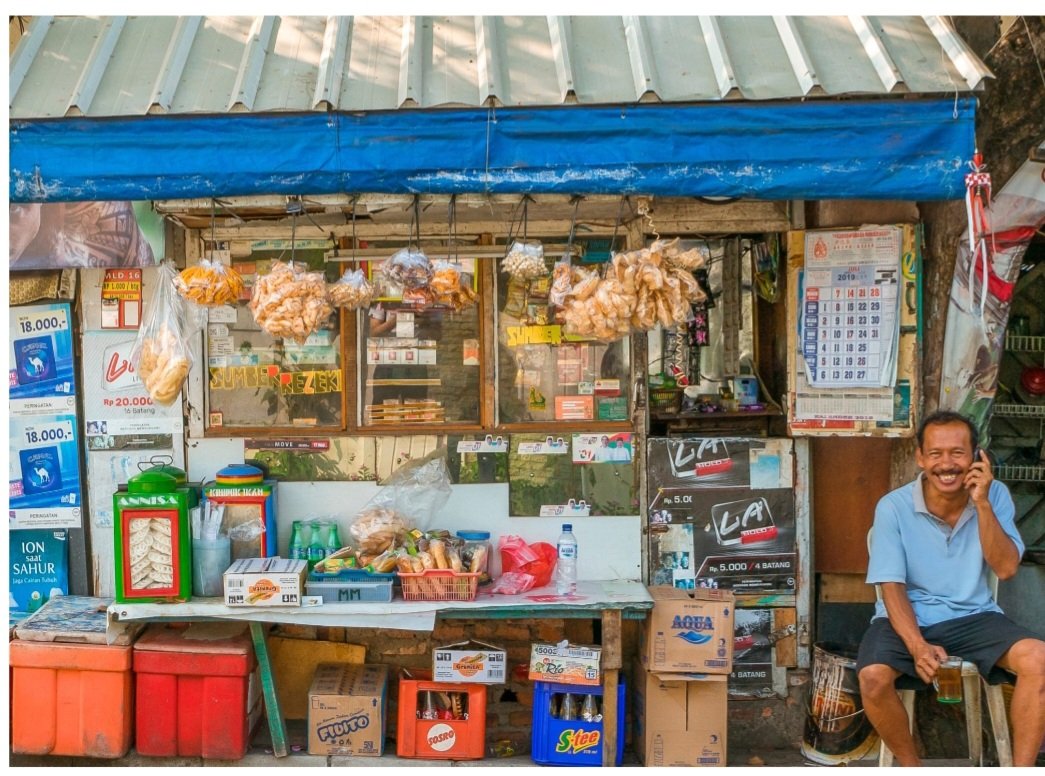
column 346, row 709
column 680, row 718
column 565, row 663
column 469, row 661
column 689, row 631
column 265, row 582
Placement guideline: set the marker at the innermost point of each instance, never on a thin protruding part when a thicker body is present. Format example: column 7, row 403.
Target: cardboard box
column 565, row 663
column 469, row 661
column 689, row 631
column 265, row 582
column 680, row 719
column 346, row 709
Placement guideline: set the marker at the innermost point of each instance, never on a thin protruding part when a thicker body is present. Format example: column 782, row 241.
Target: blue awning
column 881, row 149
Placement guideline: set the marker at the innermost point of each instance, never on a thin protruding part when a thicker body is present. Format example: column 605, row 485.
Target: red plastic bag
column 524, row 566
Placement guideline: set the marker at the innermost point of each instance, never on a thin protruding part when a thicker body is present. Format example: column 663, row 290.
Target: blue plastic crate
column 350, row 575
column 570, row 742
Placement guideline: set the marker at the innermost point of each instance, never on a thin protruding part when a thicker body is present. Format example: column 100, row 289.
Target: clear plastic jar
column 475, row 553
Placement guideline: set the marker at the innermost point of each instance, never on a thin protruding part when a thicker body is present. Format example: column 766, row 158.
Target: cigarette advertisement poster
column 722, row 513
column 119, row 413
column 41, row 355
column 44, row 472
column 752, row 675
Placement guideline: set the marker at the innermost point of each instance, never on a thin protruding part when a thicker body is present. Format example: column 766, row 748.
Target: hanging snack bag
column 525, row 260
column 161, row 355
column 410, row 269
column 562, row 282
column 288, row 302
column 209, row 283
column 448, row 287
column 351, row 291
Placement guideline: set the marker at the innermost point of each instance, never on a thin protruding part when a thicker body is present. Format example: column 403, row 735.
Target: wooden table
column 609, row 601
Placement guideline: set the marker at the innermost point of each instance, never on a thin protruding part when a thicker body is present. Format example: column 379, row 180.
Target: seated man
column 934, row 541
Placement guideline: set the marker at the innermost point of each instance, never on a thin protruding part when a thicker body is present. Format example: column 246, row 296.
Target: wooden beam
column 611, row 663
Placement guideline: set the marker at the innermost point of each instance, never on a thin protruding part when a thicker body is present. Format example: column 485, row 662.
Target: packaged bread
column 375, row 529
column 209, row 283
column 289, row 302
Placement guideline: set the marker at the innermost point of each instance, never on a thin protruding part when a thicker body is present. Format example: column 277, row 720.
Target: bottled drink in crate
column 589, row 711
column 333, row 539
column 316, row 550
column 428, row 709
column 566, row 708
column 297, row 544
column 566, row 565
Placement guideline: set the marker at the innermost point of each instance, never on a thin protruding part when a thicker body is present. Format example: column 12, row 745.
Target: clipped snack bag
column 161, row 355
column 351, row 291
column 289, row 302
column 525, row 260
column 562, row 282
column 410, row 269
column 209, row 283
column 448, row 287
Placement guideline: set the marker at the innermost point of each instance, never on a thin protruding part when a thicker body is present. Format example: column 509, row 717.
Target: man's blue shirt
column 943, row 568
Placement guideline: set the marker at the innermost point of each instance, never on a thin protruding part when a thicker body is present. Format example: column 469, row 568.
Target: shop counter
column 609, row 601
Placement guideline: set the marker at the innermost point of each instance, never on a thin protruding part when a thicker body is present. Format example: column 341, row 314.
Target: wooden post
column 277, row 727
column 611, row 663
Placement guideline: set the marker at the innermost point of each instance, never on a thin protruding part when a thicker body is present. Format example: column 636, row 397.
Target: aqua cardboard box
column 689, row 631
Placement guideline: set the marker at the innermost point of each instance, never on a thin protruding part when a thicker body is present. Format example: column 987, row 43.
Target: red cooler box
column 194, row 691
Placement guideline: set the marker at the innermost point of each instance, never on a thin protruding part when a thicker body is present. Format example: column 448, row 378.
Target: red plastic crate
column 193, row 695
column 441, row 739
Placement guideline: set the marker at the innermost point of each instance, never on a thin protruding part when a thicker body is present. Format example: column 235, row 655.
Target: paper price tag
column 47, row 433
column 41, row 322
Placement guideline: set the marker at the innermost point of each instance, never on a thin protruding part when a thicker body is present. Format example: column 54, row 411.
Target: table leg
column 611, row 663
column 277, row 726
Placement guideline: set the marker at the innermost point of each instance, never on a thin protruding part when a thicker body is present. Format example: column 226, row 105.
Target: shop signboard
column 722, row 513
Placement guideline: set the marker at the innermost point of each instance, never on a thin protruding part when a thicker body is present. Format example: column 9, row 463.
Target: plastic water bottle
column 566, row 566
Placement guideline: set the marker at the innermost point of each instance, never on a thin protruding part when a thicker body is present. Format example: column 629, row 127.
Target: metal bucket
column 836, row 728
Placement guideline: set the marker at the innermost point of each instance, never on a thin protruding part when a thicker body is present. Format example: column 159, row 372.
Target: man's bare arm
column 927, row 657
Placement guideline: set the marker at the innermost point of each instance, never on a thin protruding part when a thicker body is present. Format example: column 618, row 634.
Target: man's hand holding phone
column 978, row 479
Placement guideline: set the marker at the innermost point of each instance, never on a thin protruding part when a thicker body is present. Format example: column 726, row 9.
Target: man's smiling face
column 945, row 456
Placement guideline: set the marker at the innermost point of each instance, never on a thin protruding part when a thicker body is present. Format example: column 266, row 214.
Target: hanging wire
column 414, row 241
column 616, row 225
column 355, row 199
column 213, row 218
column 451, row 228
column 525, row 215
column 573, row 226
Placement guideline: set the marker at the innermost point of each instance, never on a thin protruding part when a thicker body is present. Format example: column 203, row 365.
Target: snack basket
column 440, row 585
column 665, row 400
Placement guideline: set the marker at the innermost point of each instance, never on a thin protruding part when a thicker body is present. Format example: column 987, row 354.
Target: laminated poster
column 41, row 355
column 44, row 472
column 39, row 569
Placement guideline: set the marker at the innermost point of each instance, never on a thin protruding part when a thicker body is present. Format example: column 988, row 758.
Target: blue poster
column 39, row 569
column 41, row 361
column 45, row 472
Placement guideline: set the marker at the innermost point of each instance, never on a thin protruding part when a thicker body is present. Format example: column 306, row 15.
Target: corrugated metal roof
column 136, row 65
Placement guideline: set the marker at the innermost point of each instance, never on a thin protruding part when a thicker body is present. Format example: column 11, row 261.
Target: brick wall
column 509, row 706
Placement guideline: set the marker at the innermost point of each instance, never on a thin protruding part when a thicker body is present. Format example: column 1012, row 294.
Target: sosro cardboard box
column 346, row 709
column 680, row 719
column 689, row 631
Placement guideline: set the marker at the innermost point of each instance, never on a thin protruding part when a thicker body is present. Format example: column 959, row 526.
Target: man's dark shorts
column 979, row 638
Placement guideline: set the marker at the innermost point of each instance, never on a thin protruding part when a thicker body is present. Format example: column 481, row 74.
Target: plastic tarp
column 875, row 149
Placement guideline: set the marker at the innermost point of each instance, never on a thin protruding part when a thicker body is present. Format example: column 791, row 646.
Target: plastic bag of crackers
column 209, row 283
column 161, row 355
column 351, row 291
column 290, row 302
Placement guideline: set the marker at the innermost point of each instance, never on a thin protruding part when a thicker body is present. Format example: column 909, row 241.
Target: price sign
column 41, row 322
column 47, row 433
column 121, row 299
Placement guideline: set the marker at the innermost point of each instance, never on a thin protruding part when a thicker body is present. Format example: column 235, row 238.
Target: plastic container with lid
column 475, row 553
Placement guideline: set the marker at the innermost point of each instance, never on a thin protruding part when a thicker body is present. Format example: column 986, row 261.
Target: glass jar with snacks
column 475, row 553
